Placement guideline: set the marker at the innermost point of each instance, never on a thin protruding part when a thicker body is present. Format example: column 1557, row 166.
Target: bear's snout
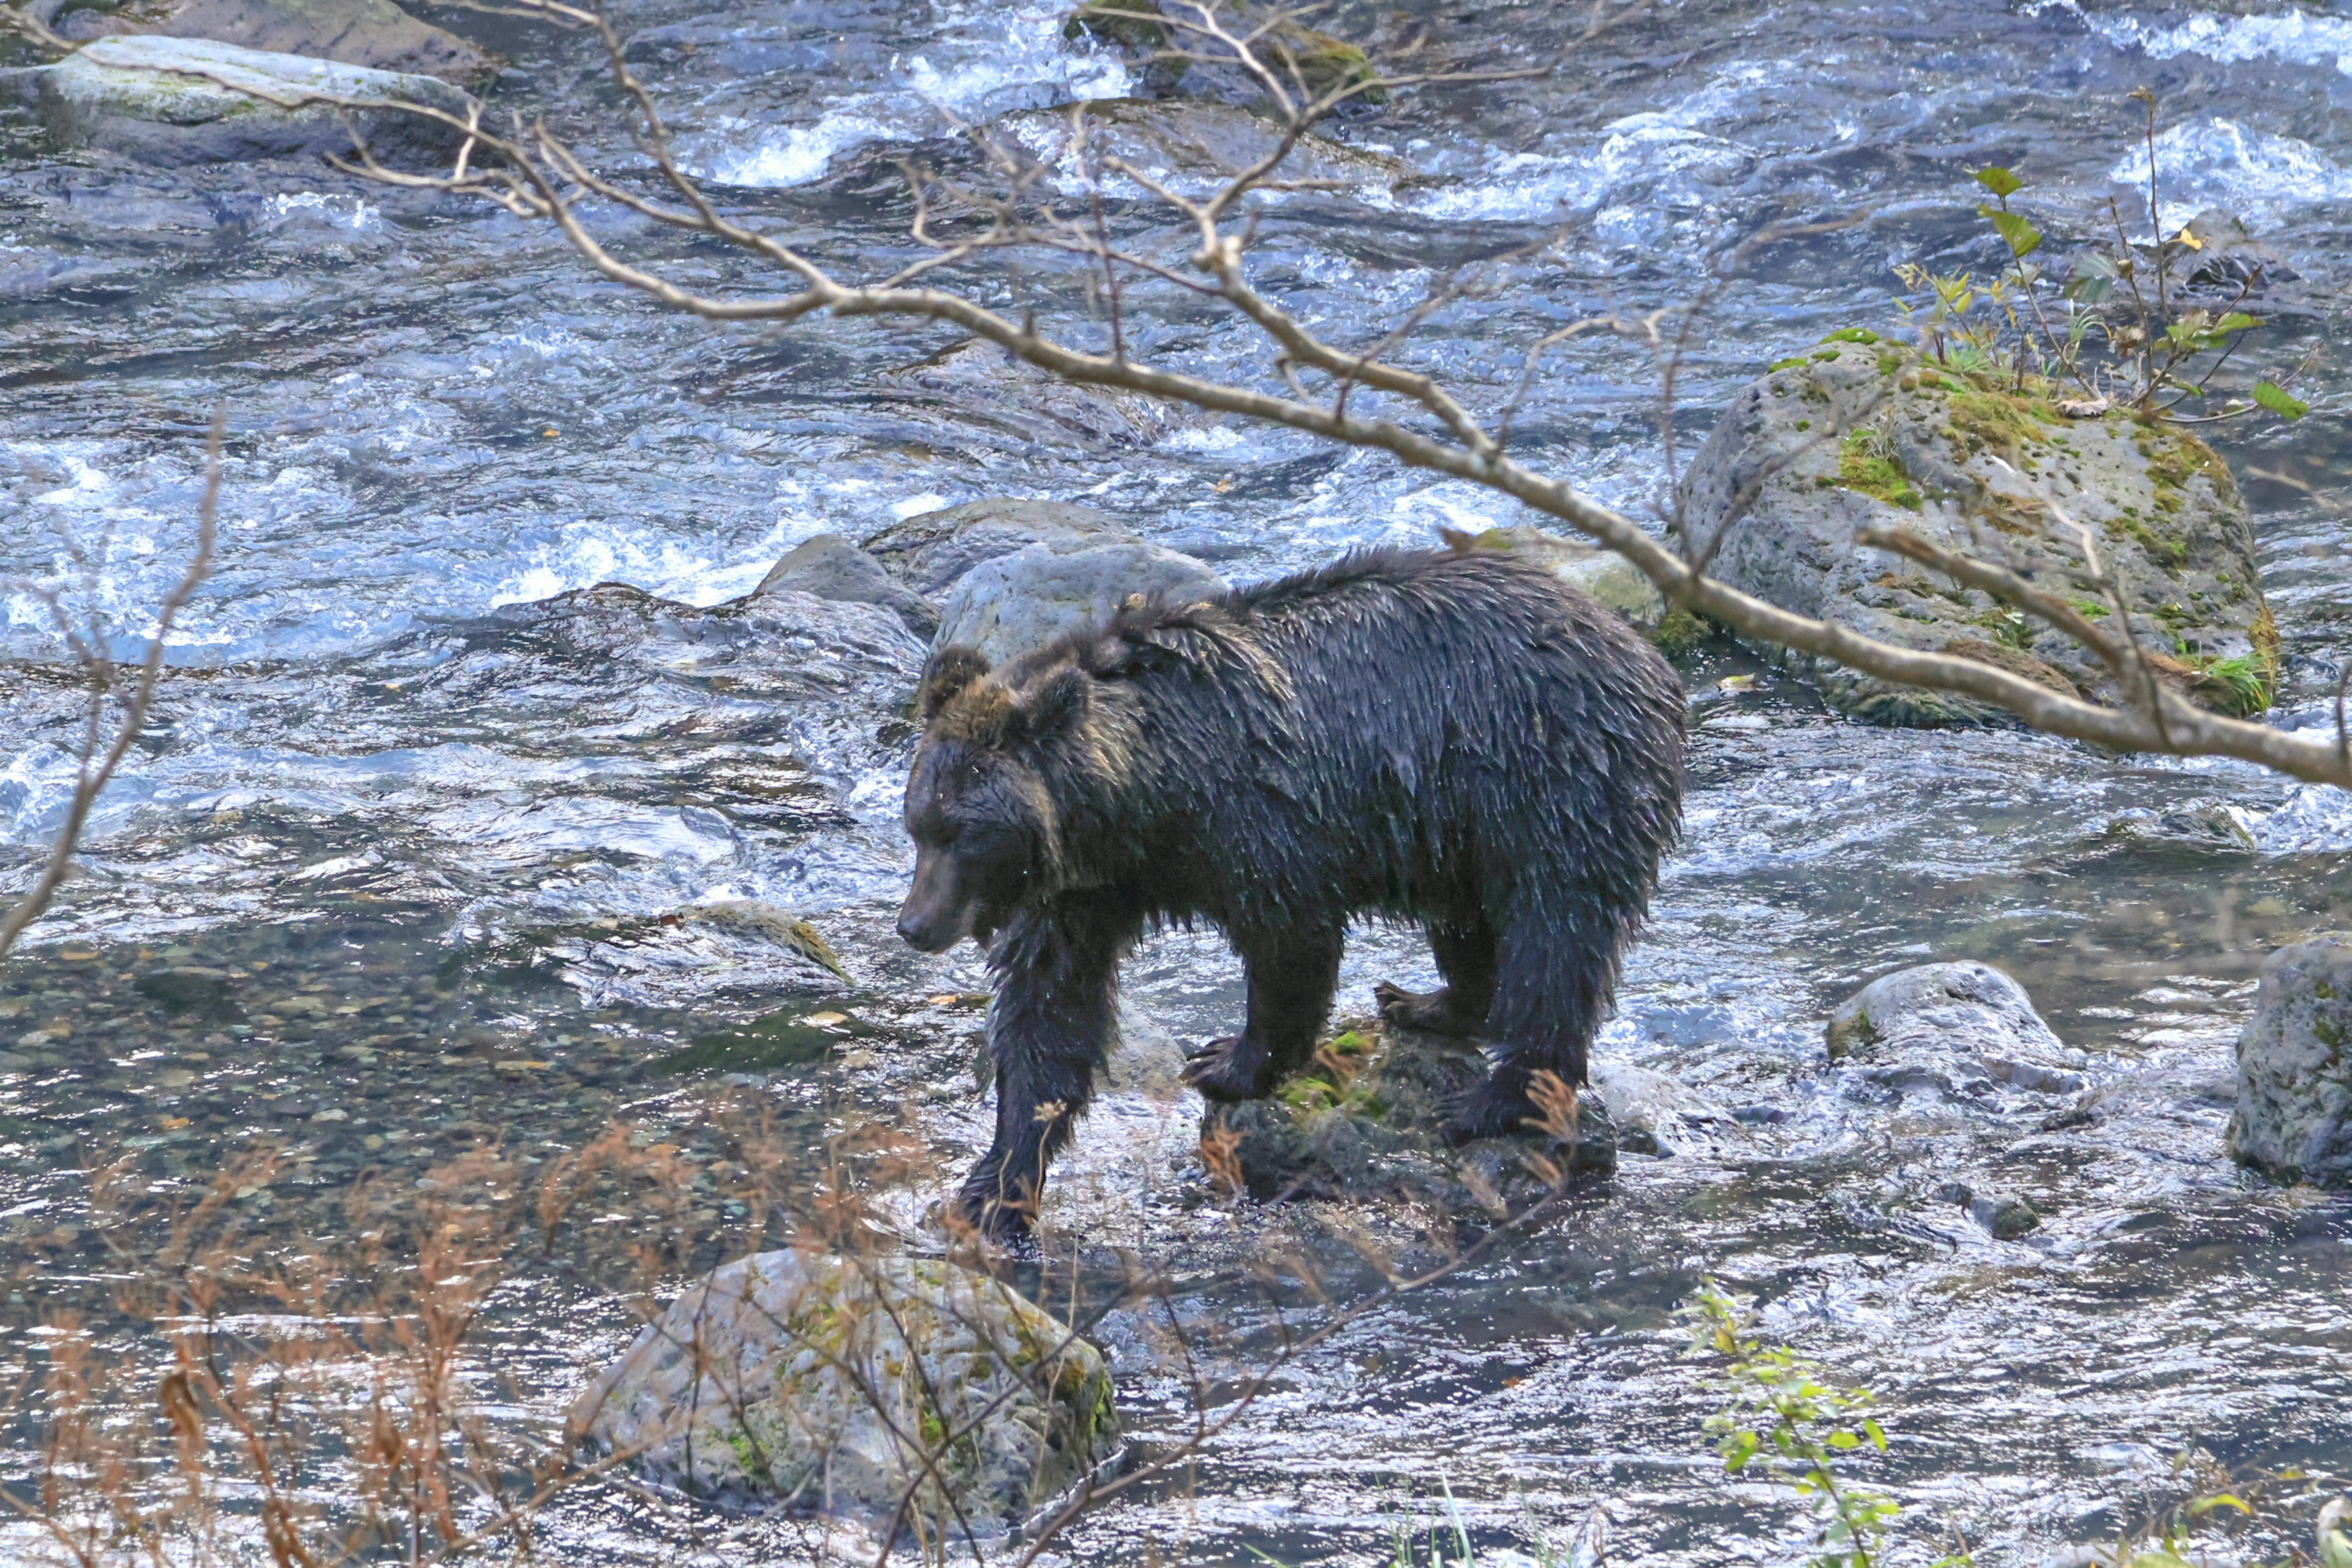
column 935, row 916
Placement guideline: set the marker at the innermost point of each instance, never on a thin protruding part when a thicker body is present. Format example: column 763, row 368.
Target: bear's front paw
column 1230, row 1069
column 993, row 1212
column 1499, row 1108
column 1431, row 1012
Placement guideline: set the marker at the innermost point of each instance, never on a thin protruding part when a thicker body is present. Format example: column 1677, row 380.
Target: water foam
column 2219, row 163
column 983, row 62
column 2296, row 37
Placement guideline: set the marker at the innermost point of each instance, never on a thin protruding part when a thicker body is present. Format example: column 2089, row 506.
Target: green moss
column 1852, row 335
column 2000, row 423
column 2089, row 609
column 1862, row 466
column 1805, row 424
column 1795, row 364
column 1680, row 632
column 1118, row 22
column 1325, row 64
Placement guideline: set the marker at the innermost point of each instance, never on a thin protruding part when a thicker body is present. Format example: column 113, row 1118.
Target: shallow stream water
column 462, row 715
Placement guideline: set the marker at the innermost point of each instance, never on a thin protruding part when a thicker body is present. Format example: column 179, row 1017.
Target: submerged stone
column 2293, row 1115
column 822, row 1385
column 191, row 100
column 1861, row 434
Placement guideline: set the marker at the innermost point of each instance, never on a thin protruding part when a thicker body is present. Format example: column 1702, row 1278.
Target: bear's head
column 979, row 807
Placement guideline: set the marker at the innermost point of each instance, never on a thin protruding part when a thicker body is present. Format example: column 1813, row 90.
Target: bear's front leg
column 1054, row 1021
column 1292, row 975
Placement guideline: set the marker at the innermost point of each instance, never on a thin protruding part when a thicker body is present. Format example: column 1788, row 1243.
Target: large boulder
column 1021, row 602
column 1369, row 1121
column 1951, row 1028
column 373, row 33
column 189, row 100
column 837, row 1386
column 1860, row 434
column 2293, row 1117
column 830, row 567
column 931, row 551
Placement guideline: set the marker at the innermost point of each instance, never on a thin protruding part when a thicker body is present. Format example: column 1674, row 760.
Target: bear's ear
column 1057, row 706
column 949, row 671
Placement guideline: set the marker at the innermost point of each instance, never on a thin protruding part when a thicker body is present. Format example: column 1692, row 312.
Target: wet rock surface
column 2293, row 1115
column 191, row 100
column 826, row 1385
column 1864, row 434
column 931, row 552
column 1018, row 603
column 1367, row 1124
column 830, row 567
column 1954, row 1029
column 371, row 33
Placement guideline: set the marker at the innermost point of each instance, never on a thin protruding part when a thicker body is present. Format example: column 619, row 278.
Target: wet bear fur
column 1460, row 740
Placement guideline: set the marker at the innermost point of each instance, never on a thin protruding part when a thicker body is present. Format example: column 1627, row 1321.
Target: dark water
column 426, row 801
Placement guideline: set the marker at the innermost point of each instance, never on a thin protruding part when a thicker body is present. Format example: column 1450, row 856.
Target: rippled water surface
column 466, row 711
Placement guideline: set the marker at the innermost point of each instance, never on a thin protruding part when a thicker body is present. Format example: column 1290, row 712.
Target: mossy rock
column 1367, row 1121
column 1324, row 63
column 1859, row 433
column 1129, row 24
column 822, row 1385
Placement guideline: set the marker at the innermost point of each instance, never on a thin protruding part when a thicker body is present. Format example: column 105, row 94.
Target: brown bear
column 1457, row 739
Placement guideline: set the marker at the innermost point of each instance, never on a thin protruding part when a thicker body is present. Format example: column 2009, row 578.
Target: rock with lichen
column 1859, row 433
column 847, row 1387
column 2293, row 1115
column 1367, row 1119
column 376, row 33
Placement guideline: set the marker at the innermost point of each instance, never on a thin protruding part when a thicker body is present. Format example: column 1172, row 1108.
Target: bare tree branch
column 96, row 765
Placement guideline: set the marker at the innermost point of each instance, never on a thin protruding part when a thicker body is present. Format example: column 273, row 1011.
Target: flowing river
column 416, row 775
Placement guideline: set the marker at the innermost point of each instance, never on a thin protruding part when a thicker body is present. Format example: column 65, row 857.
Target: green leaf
column 2022, row 237
column 2280, row 401
column 2236, row 321
column 1844, row 1440
column 1877, row 1438
column 2218, row 1500
column 1999, row 180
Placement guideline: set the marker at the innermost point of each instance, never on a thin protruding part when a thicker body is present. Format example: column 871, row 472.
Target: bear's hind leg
column 1556, row 971
column 1292, row 975
column 1466, row 956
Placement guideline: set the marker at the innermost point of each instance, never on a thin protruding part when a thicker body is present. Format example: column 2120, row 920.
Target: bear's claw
column 1496, row 1109
column 1227, row 1069
column 1431, row 1012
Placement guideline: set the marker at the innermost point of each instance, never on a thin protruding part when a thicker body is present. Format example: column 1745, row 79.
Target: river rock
column 825, row 1385
column 191, row 988
column 373, row 33
column 2293, row 1116
column 1021, row 602
column 1603, row 573
column 1369, row 1121
column 1776, row 492
column 1952, row 1028
column 830, row 567
column 191, row 100
column 931, row 551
